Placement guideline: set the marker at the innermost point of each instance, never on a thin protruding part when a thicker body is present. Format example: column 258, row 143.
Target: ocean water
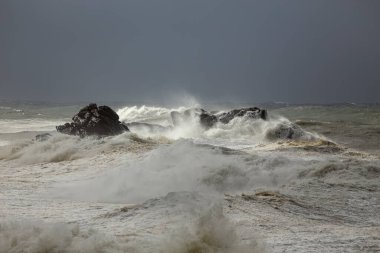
column 232, row 188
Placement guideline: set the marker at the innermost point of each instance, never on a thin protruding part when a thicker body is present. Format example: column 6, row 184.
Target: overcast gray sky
column 119, row 50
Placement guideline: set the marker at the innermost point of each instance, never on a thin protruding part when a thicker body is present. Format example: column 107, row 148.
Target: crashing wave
column 244, row 124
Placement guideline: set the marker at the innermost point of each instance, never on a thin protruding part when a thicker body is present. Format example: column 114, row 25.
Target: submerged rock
column 94, row 120
column 285, row 131
column 42, row 137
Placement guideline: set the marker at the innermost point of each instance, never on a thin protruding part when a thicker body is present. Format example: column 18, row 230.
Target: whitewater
column 236, row 187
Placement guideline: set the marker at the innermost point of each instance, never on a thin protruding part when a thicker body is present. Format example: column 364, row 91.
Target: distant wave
column 22, row 125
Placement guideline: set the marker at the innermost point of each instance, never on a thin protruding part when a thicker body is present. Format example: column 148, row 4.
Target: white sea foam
column 241, row 131
column 183, row 166
column 163, row 171
column 207, row 231
column 151, row 114
column 36, row 237
column 61, row 147
column 211, row 232
column 3, row 143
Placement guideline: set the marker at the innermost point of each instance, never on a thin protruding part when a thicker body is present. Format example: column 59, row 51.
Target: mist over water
column 236, row 187
column 185, row 166
column 192, row 175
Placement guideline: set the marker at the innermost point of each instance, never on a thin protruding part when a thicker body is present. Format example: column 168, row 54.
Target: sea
column 232, row 188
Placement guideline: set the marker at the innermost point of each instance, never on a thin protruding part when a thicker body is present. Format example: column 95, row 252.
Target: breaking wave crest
column 208, row 232
column 37, row 237
column 150, row 114
column 60, row 148
column 157, row 127
column 250, row 131
column 212, row 232
column 183, row 166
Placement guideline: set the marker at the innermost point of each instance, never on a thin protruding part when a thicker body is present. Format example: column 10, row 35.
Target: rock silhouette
column 208, row 119
column 93, row 120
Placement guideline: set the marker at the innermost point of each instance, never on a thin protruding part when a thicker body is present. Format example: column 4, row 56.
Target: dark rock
column 208, row 119
column 108, row 112
column 285, row 131
column 43, row 137
column 94, row 120
column 252, row 112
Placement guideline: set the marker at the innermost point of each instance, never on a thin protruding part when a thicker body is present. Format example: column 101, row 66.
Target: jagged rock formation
column 208, row 119
column 94, row 120
column 252, row 112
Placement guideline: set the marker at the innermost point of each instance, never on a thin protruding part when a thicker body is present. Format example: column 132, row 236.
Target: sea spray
column 205, row 230
column 59, row 148
column 37, row 236
column 183, row 166
column 243, row 129
column 184, row 190
column 210, row 232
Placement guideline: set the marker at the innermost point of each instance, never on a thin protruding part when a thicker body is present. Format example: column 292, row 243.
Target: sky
column 295, row 51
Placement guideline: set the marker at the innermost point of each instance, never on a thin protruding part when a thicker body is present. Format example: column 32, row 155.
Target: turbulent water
column 235, row 187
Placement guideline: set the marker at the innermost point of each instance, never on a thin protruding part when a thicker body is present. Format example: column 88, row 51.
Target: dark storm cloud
column 295, row 51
